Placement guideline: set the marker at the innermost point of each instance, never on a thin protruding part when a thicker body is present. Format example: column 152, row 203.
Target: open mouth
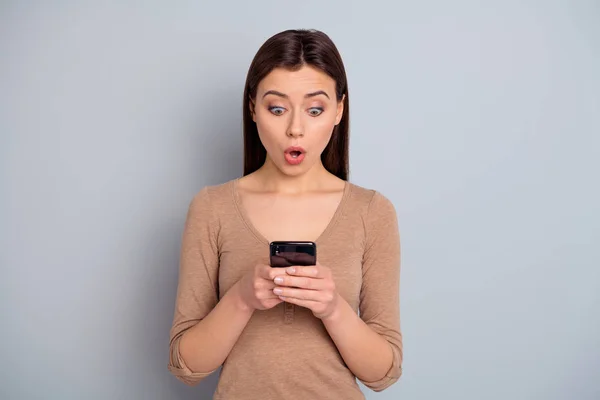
column 294, row 155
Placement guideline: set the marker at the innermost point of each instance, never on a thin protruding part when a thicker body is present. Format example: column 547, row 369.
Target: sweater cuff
column 391, row 376
column 181, row 371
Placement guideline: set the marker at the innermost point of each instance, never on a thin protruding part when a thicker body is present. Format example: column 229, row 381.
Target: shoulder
column 212, row 197
column 215, row 193
column 378, row 215
column 370, row 201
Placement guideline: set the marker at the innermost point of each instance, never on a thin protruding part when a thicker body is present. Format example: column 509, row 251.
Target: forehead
column 300, row 82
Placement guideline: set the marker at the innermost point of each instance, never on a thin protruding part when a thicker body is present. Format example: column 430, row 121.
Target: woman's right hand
column 255, row 288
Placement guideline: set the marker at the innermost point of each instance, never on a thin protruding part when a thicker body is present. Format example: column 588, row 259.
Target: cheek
column 268, row 131
column 320, row 131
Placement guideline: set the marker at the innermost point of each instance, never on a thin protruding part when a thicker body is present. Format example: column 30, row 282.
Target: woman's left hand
column 308, row 286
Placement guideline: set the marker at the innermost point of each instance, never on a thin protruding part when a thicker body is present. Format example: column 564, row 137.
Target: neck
column 273, row 180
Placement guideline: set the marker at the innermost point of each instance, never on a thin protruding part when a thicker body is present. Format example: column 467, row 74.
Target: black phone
column 288, row 253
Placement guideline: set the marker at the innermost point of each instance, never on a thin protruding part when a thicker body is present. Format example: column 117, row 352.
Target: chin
column 293, row 170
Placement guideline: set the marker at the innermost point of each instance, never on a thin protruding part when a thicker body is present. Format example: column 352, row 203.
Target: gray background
column 480, row 122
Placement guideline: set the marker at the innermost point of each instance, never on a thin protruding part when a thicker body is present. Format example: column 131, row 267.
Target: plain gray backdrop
column 481, row 122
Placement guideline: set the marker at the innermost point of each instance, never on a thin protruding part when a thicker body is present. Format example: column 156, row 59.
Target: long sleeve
column 379, row 299
column 197, row 290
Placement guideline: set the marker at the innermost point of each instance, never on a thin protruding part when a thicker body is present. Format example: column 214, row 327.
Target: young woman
column 303, row 332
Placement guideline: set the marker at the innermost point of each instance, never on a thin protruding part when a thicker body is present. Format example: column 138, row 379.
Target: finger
column 267, row 295
column 300, row 282
column 261, row 283
column 310, row 304
column 268, row 285
column 267, row 272
column 300, row 294
column 270, row 303
column 308, row 271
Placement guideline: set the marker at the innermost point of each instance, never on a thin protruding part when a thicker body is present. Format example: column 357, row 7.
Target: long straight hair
column 293, row 49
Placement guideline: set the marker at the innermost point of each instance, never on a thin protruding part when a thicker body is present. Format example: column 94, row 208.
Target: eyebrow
column 285, row 96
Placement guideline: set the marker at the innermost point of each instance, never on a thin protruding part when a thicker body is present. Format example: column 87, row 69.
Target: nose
column 295, row 129
column 295, row 135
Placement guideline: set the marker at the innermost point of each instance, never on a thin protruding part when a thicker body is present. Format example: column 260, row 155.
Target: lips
column 294, row 155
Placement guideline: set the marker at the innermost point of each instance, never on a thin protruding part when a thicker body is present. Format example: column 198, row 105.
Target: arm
column 367, row 354
column 371, row 345
column 206, row 345
column 204, row 329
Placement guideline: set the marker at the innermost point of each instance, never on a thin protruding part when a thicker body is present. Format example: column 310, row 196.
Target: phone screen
column 285, row 254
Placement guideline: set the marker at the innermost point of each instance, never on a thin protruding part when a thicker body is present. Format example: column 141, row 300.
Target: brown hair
column 292, row 49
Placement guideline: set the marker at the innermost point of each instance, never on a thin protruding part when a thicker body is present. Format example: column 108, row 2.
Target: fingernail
column 291, row 270
column 277, row 291
column 278, row 280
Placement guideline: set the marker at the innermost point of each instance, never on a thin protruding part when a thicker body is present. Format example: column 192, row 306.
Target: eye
column 277, row 110
column 315, row 111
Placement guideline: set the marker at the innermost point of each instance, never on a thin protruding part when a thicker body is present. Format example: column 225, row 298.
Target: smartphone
column 287, row 253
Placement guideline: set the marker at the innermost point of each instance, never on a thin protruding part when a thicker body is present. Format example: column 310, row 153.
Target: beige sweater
column 360, row 245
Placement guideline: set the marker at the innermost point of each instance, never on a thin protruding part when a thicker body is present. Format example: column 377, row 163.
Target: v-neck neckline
column 261, row 238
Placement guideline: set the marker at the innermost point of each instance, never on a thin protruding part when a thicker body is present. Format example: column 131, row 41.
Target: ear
column 252, row 106
column 340, row 110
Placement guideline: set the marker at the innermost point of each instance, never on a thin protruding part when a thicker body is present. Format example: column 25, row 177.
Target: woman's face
column 295, row 113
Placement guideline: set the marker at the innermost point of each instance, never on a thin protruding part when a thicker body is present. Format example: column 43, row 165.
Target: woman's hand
column 308, row 286
column 255, row 288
